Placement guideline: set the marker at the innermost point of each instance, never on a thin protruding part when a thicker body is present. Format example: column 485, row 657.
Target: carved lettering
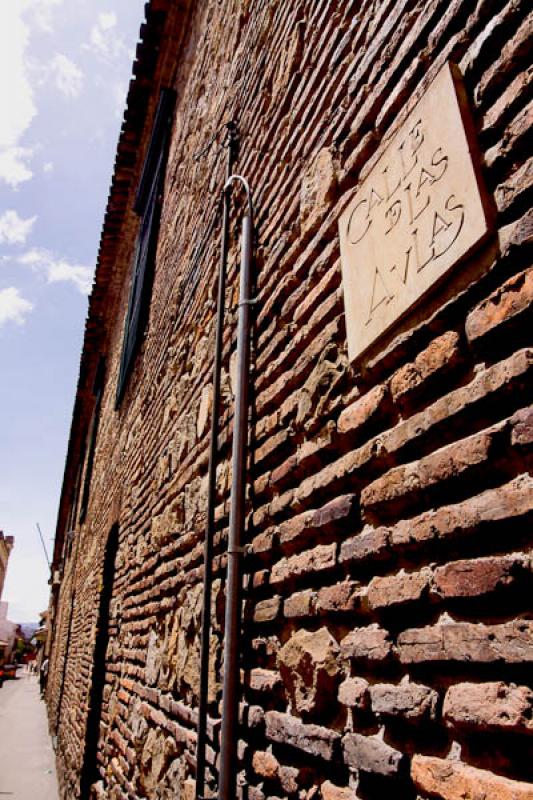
column 417, row 212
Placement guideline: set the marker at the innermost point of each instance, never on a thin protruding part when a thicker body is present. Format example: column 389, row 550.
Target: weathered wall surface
column 388, row 628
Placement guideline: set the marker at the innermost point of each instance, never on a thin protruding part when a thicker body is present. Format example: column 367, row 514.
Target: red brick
column 371, row 643
column 437, row 359
column 318, row 559
column 507, row 375
column 514, row 188
column 371, row 754
column 343, row 596
column 312, row 739
column 310, row 525
column 411, row 701
column 522, row 423
column 331, row 792
column 473, row 577
column 507, row 302
column 353, row 692
column 452, row 780
column 510, row 642
column 264, row 680
column 299, row 604
column 490, row 705
column 267, row 610
column 508, row 502
column 370, row 543
column 265, row 764
column 454, row 461
column 362, row 411
column 396, row 589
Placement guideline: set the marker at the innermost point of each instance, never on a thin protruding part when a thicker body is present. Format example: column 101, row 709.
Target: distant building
column 8, row 635
column 6, row 545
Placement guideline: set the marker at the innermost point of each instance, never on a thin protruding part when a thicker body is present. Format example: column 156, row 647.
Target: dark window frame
column 148, row 206
column 98, row 391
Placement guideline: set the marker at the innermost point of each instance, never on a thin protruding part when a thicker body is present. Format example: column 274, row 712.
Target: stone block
column 312, row 739
column 371, row 754
column 309, row 666
column 493, row 705
column 453, row 780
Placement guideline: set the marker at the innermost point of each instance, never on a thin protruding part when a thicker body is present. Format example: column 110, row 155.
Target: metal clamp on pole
column 232, row 627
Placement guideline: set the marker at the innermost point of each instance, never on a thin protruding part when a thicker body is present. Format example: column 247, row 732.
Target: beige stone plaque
column 414, row 216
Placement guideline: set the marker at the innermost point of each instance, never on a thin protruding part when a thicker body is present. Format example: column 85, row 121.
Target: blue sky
column 64, row 72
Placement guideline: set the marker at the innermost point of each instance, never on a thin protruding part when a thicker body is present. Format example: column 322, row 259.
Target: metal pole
column 212, row 480
column 232, row 627
column 44, row 546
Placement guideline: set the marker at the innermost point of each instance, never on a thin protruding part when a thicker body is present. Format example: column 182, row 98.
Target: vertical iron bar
column 212, row 480
column 232, row 627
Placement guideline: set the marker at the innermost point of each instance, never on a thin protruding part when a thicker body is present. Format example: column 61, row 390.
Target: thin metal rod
column 44, row 546
column 212, row 481
column 232, row 627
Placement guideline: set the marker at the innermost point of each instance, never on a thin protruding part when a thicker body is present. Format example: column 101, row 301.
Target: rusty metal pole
column 212, row 480
column 232, row 627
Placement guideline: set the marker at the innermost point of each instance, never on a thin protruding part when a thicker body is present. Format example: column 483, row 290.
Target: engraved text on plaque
column 413, row 217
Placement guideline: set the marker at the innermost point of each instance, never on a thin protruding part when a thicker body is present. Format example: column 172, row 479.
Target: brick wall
column 388, row 631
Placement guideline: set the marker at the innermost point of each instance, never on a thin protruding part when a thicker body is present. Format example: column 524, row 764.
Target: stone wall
column 388, row 631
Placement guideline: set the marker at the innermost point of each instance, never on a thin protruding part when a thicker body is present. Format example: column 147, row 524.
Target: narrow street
column 27, row 768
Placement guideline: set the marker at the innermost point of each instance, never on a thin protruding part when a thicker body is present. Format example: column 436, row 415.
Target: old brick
column 473, row 577
column 318, row 190
column 344, row 596
column 522, row 422
column 331, row 792
column 371, row 754
column 490, row 705
column 506, row 375
column 299, row 604
column 439, row 357
column 370, row 543
column 312, row 739
column 309, row 666
column 332, row 517
column 353, row 692
column 265, row 764
column 264, row 680
column 371, row 642
column 289, row 779
column 335, row 514
column 511, row 642
column 514, row 188
column 396, row 589
column 322, row 557
column 452, row 780
column 451, row 462
column 505, row 303
column 281, row 475
column 511, row 501
column 267, row 610
column 411, row 701
column 362, row 411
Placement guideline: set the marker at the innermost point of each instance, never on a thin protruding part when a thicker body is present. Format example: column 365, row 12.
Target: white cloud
column 13, row 307
column 42, row 12
column 48, row 167
column 57, row 269
column 104, row 40
column 14, row 229
column 107, row 20
column 16, row 95
column 66, row 75
column 14, row 167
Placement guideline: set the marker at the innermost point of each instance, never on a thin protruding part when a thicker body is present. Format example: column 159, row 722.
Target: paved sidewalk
column 27, row 769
